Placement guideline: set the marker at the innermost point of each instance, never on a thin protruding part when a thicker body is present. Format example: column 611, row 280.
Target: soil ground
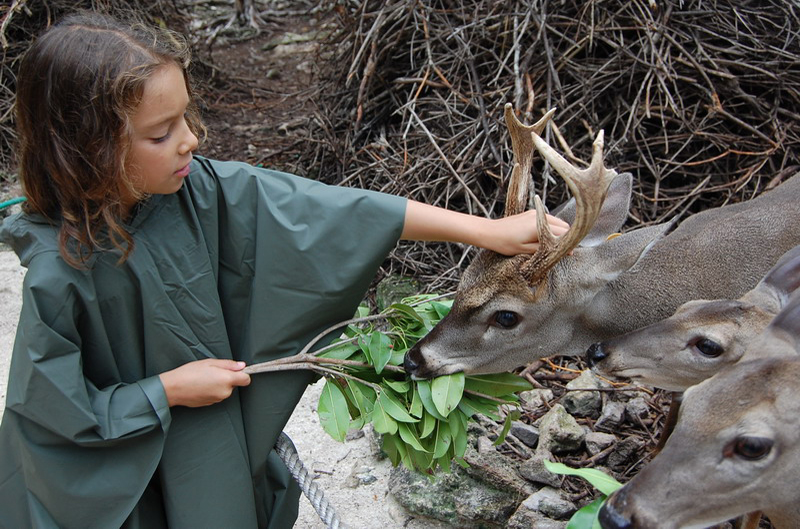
column 257, row 92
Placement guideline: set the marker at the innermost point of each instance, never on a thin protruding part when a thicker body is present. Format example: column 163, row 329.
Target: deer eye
column 750, row 448
column 506, row 319
column 707, row 347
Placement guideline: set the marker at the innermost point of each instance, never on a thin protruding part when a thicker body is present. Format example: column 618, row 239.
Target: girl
column 154, row 276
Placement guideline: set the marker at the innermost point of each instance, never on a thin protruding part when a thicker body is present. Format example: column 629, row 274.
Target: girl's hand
column 519, row 233
column 203, row 382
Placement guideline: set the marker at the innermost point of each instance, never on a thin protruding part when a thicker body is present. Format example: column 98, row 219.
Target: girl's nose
column 189, row 140
column 190, row 143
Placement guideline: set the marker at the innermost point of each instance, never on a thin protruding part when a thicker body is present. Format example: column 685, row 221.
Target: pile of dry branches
column 699, row 100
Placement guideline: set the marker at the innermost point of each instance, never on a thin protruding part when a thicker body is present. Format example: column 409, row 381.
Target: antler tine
column 523, row 149
column 589, row 187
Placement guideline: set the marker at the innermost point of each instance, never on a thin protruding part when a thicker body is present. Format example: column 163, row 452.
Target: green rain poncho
column 241, row 263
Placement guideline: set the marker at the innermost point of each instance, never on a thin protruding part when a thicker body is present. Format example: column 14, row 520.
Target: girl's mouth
column 184, row 171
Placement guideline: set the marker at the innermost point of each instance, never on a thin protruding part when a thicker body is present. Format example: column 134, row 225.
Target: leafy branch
column 423, row 423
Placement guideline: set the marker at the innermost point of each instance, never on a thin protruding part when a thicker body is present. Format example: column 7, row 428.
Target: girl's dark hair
column 77, row 87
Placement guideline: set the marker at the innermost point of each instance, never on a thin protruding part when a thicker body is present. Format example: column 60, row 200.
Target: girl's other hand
column 203, row 382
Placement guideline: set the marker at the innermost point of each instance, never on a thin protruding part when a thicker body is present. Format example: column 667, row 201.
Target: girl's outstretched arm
column 509, row 235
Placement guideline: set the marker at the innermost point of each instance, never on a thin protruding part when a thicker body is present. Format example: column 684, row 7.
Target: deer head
column 701, row 337
column 735, row 450
column 494, row 298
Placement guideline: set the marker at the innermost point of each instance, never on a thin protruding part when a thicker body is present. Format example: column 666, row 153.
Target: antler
column 522, row 148
column 589, row 187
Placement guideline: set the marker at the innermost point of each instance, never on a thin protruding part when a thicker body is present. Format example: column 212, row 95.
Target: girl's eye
column 163, row 138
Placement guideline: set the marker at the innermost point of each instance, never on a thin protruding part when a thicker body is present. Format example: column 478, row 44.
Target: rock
column 559, row 432
column 492, row 468
column 637, row 411
column 596, row 442
column 360, row 475
column 454, row 498
column 525, row 518
column 626, row 452
column 551, row 503
column 535, row 398
column 527, row 434
column 534, row 470
column 584, row 403
column 612, row 416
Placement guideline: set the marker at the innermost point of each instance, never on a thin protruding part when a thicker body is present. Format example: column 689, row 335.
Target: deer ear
column 788, row 319
column 622, row 253
column 785, row 275
column 613, row 212
column 773, row 291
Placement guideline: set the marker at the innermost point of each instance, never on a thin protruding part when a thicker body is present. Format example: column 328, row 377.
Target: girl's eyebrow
column 165, row 119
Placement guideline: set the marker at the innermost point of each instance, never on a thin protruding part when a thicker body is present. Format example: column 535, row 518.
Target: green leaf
column 400, row 386
column 401, row 448
column 446, row 392
column 390, row 403
column 586, row 516
column 476, row 405
column 458, row 429
column 363, row 397
column 342, row 351
column 442, row 308
column 333, row 413
column 410, row 436
column 395, row 448
column 416, row 409
column 380, row 350
column 511, row 416
column 425, row 394
column 423, row 461
column 398, row 356
column 600, row 480
column 442, row 440
column 381, row 420
column 497, row 385
column 406, row 310
column 444, row 462
column 428, row 424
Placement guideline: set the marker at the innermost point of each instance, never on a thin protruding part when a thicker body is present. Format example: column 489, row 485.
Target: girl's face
column 161, row 141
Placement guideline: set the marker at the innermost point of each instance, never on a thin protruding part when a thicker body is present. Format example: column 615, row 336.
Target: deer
column 735, row 448
column 589, row 285
column 701, row 337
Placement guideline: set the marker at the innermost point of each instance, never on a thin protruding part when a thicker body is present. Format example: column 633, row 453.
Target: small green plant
column 586, row 517
column 423, row 423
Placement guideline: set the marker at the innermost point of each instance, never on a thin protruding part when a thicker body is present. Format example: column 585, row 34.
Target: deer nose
column 410, row 364
column 595, row 354
column 610, row 518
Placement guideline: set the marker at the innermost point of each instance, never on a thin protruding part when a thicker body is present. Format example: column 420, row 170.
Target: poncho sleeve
column 59, row 413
